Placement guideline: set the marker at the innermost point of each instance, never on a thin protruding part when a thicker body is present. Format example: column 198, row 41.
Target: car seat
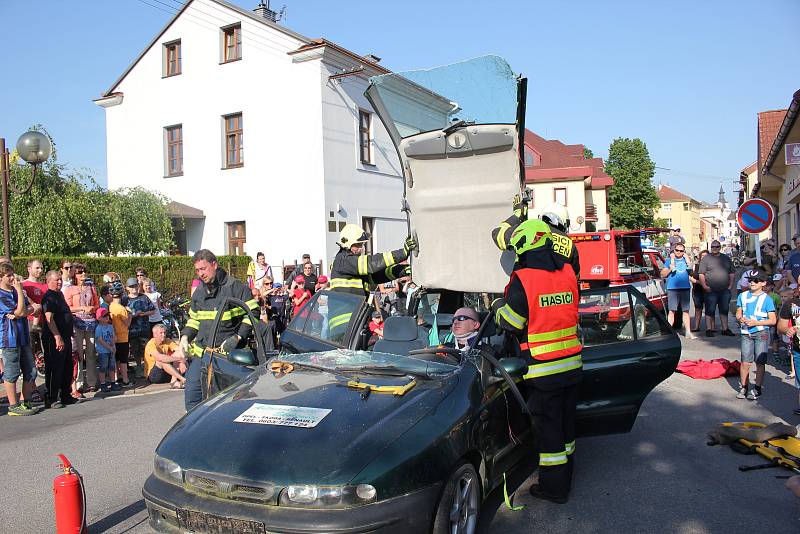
column 400, row 335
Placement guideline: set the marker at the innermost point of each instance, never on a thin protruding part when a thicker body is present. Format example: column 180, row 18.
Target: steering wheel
column 449, row 354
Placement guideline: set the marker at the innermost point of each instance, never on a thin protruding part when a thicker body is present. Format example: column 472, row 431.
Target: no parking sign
column 755, row 216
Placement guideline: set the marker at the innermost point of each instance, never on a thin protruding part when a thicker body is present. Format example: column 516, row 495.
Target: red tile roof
column 769, row 122
column 665, row 192
column 563, row 162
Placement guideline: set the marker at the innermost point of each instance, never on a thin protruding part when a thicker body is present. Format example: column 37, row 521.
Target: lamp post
column 33, row 147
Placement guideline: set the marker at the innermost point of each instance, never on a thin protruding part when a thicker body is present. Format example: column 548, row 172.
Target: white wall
column 359, row 190
column 278, row 191
column 576, row 201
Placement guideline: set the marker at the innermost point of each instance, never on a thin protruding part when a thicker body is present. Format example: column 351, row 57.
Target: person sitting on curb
column 161, row 364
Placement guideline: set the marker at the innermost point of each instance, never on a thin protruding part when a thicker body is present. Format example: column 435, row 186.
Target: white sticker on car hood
column 276, row 414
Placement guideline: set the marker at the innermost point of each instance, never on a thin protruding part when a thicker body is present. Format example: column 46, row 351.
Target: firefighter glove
column 406, row 271
column 520, row 207
column 409, row 245
column 230, row 344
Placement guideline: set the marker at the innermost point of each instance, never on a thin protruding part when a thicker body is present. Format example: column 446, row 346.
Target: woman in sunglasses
column 83, row 302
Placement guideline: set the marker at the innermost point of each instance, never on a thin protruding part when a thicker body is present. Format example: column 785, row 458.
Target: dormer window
column 172, row 58
column 530, row 157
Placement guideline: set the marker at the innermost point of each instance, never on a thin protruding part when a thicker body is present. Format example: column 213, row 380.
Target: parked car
column 404, row 436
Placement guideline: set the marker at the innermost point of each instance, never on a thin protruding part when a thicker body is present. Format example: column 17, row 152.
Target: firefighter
column 540, row 306
column 207, row 301
column 354, row 272
column 555, row 215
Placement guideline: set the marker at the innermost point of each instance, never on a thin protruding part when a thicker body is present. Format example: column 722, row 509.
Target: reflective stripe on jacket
column 355, row 273
column 207, row 302
column 552, row 313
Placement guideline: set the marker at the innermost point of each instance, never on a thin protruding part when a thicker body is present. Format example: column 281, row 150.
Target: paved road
column 662, row 477
column 659, row 478
column 110, row 441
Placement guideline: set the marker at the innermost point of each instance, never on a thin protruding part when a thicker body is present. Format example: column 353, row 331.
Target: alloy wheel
column 464, row 509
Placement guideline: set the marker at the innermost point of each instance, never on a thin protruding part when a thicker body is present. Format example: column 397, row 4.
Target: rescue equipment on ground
column 69, row 496
column 776, row 442
column 707, row 370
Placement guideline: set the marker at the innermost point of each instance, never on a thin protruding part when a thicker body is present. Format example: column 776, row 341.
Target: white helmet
column 556, row 215
column 352, row 234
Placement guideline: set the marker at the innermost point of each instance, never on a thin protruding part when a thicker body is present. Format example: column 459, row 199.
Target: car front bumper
column 408, row 513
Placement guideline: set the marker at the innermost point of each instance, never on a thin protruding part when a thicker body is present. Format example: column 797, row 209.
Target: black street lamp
column 33, row 147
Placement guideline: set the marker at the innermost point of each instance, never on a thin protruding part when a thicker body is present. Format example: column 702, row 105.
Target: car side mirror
column 244, row 357
column 515, row 367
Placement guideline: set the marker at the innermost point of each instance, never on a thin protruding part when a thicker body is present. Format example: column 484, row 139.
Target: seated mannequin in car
column 464, row 329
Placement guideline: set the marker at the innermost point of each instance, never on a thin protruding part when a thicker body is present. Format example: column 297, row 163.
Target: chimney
column 263, row 10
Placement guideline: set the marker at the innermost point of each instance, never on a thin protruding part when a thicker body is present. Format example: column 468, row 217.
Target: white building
column 261, row 136
column 723, row 219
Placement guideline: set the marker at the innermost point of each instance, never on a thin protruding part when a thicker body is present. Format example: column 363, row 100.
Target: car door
column 629, row 348
column 330, row 320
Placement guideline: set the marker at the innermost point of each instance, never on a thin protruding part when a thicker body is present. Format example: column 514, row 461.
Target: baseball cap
column 100, row 312
column 131, row 282
column 677, row 228
column 322, row 279
column 300, row 279
column 759, row 275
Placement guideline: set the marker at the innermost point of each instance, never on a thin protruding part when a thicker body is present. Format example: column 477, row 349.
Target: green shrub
column 173, row 275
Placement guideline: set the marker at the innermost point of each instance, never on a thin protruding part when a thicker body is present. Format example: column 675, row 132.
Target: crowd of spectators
column 88, row 338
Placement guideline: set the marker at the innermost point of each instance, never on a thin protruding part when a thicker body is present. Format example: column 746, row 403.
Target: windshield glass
column 352, row 360
column 480, row 91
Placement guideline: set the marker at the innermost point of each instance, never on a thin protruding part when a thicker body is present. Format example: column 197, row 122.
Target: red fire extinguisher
column 70, row 500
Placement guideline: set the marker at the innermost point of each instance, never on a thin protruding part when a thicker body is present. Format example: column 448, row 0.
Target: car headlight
column 167, row 470
column 312, row 496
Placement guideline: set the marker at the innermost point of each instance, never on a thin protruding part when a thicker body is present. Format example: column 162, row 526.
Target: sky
column 686, row 77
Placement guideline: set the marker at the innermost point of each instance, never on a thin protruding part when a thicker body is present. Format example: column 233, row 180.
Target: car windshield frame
column 349, row 361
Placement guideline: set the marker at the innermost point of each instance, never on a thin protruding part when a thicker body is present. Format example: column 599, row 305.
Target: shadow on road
column 120, row 516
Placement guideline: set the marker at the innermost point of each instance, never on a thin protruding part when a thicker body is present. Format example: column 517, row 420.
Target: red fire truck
column 613, row 258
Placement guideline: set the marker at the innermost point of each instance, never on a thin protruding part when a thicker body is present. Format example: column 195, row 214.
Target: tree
column 587, row 153
column 661, row 239
column 65, row 212
column 632, row 198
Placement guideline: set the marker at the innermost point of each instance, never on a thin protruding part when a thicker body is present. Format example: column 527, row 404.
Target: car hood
column 457, row 132
column 333, row 452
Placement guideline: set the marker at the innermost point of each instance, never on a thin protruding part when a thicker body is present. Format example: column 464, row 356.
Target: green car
column 337, row 434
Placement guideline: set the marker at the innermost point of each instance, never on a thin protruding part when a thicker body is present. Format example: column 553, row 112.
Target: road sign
column 755, row 216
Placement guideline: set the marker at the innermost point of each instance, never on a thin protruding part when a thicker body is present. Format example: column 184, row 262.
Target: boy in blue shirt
column 755, row 312
column 15, row 343
column 679, row 287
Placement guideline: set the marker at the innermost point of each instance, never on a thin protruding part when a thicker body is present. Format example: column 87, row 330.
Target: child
column 105, row 296
column 300, row 295
column 121, row 320
column 105, row 341
column 755, row 312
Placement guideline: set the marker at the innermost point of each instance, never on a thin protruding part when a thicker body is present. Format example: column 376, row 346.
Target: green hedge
column 172, row 274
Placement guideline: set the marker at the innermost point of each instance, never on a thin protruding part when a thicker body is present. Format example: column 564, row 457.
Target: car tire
column 458, row 508
column 641, row 321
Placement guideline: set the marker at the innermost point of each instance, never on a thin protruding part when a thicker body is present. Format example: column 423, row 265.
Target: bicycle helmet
column 116, row 289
